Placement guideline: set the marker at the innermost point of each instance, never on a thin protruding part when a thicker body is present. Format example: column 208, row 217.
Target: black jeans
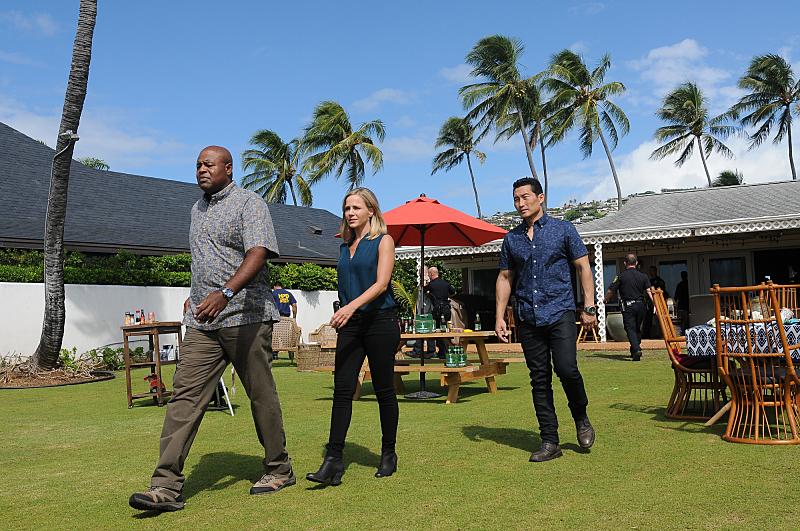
column 632, row 318
column 374, row 335
column 557, row 342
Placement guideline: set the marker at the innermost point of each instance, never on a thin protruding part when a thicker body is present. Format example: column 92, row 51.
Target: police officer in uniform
column 657, row 283
column 632, row 288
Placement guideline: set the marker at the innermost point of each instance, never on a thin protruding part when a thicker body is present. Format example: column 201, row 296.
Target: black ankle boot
column 388, row 465
column 330, row 472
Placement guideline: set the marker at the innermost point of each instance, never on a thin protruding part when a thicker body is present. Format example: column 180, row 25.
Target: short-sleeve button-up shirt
column 542, row 281
column 224, row 227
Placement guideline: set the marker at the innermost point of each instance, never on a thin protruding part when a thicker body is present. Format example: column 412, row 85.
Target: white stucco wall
column 95, row 313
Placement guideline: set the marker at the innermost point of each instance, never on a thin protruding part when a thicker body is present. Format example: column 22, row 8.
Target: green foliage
column 728, row 178
column 108, row 359
column 306, row 277
column 572, row 214
column 92, row 162
column 68, row 359
column 407, row 299
column 405, row 277
column 273, row 166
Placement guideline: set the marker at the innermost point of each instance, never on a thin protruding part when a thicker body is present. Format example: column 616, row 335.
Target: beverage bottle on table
column 144, row 316
column 138, row 318
column 477, row 322
column 462, row 356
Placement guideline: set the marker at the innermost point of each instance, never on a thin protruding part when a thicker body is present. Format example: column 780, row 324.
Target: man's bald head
column 433, row 272
column 214, row 169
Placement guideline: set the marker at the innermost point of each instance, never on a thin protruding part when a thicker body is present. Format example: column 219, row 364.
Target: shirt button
column 534, row 247
column 535, row 291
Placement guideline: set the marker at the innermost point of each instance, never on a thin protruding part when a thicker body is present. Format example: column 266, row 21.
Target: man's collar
column 523, row 227
column 221, row 194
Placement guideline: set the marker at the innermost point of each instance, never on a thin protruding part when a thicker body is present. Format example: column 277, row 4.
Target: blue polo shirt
column 542, row 283
column 283, row 301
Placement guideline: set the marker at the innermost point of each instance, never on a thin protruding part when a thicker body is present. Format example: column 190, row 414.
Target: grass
column 71, row 456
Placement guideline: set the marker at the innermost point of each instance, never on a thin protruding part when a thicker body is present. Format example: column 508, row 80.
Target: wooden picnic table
column 452, row 377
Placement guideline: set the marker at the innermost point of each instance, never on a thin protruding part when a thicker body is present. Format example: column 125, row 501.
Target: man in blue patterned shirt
column 228, row 316
column 535, row 265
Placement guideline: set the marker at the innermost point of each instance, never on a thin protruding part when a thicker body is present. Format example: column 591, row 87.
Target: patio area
column 73, row 455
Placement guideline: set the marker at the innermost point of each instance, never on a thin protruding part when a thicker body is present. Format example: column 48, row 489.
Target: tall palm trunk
column 291, row 189
column 791, row 155
column 613, row 168
column 703, row 158
column 46, row 355
column 474, row 188
column 528, row 151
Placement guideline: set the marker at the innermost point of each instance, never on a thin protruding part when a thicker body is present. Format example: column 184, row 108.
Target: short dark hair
column 535, row 185
column 277, row 283
column 631, row 259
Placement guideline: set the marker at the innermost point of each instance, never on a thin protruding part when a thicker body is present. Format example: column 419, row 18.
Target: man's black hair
column 277, row 283
column 535, row 185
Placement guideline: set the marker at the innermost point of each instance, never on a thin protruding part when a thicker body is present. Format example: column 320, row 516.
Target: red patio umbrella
column 424, row 221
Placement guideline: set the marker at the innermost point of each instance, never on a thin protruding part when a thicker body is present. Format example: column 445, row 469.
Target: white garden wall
column 95, row 313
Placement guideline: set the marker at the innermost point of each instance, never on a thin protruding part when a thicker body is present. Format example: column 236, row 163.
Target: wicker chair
column 698, row 392
column 754, row 358
column 325, row 336
column 286, row 336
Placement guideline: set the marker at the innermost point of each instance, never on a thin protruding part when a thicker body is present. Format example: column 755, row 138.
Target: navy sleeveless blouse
column 357, row 274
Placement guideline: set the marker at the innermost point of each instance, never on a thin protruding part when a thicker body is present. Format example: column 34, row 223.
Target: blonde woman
column 367, row 327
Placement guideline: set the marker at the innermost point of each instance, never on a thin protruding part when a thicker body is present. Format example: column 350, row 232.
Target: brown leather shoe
column 547, row 452
column 585, row 433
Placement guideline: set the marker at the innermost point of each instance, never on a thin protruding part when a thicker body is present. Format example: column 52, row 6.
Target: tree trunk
column 613, row 169
column 544, row 163
column 291, row 189
column 528, row 151
column 703, row 158
column 791, row 155
column 46, row 355
column 474, row 188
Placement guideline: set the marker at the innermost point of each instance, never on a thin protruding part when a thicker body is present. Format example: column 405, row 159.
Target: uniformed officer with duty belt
column 632, row 287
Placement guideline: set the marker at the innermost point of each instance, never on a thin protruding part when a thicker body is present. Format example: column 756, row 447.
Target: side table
column 152, row 331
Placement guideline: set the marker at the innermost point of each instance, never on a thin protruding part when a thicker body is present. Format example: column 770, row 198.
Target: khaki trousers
column 204, row 356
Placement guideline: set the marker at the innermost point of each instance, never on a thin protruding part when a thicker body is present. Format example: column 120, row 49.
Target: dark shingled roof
column 702, row 207
column 108, row 210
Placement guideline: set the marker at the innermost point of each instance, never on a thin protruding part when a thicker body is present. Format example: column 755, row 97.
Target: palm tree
column 581, row 98
column 684, row 109
column 457, row 134
column 773, row 90
column 334, row 146
column 97, row 164
column 728, row 178
column 273, row 166
column 46, row 355
column 536, row 112
column 488, row 102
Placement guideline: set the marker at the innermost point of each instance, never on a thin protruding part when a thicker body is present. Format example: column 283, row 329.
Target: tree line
column 542, row 109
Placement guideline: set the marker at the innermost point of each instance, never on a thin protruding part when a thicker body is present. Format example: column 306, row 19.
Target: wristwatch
column 227, row 293
column 591, row 310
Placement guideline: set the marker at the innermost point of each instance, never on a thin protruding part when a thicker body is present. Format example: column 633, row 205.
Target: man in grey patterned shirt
column 229, row 316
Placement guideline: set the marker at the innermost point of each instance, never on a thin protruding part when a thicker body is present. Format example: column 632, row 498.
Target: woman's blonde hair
column 376, row 224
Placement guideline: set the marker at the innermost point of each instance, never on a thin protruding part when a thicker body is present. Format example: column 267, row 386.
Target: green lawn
column 71, row 456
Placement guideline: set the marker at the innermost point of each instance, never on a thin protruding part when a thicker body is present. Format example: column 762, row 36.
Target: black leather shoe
column 585, row 433
column 388, row 465
column 547, row 452
column 329, row 473
column 636, row 356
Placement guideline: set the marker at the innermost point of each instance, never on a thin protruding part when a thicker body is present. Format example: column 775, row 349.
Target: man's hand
column 588, row 320
column 186, row 305
column 341, row 317
column 502, row 331
column 210, row 308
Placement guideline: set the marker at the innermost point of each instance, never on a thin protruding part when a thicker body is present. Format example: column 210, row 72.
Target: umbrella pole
column 422, row 393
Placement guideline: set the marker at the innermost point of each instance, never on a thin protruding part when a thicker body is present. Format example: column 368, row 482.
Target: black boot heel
column 329, row 473
column 388, row 465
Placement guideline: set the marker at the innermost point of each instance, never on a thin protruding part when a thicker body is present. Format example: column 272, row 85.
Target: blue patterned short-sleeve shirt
column 542, row 281
column 223, row 228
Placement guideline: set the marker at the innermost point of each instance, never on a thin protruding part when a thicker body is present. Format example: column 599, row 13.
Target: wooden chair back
column 675, row 344
column 754, row 359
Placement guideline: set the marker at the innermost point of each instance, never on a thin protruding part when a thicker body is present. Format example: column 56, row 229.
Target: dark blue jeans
column 556, row 344
column 374, row 335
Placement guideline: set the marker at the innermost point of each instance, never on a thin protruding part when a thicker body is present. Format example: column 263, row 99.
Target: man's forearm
column 252, row 264
column 502, row 294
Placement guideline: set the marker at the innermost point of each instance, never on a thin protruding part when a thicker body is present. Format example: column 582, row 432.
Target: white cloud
column 41, row 23
column 637, row 173
column 579, row 47
column 385, row 95
column 107, row 134
column 17, row 59
column 587, row 8
column 408, row 148
column 458, row 74
column 668, row 66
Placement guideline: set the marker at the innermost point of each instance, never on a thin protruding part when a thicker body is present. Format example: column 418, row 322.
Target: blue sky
column 168, row 78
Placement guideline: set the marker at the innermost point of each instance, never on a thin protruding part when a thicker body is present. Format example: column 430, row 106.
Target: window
column 670, row 271
column 727, row 271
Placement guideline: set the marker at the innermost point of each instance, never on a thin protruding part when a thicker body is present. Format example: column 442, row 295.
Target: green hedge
column 128, row 269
